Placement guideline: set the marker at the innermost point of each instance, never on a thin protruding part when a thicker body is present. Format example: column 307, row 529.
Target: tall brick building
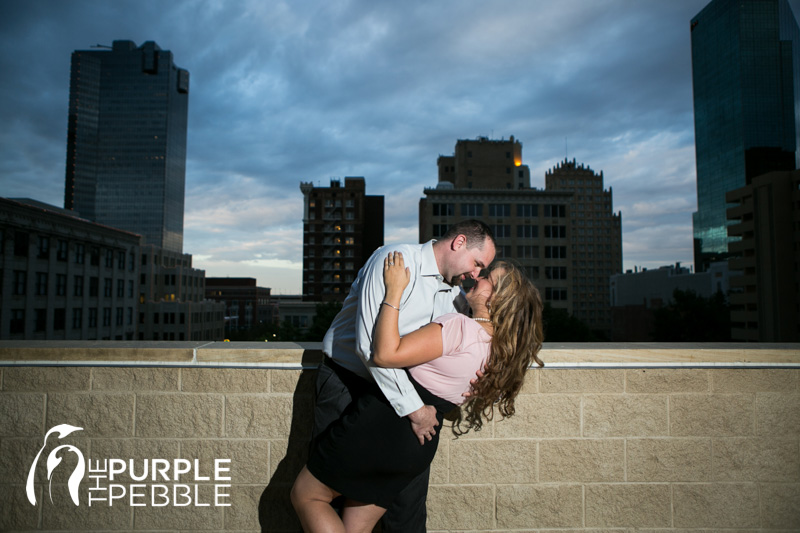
column 342, row 226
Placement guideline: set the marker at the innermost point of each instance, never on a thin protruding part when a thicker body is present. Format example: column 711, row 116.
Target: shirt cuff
column 406, row 406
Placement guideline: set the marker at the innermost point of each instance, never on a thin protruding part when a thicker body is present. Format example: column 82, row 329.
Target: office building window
column 527, row 211
column 20, row 282
column 77, row 318
column 44, row 247
column 41, row 284
column 21, row 244
column 80, row 254
column 444, row 210
column 59, row 319
column 471, row 210
column 501, row 231
column 439, row 230
column 40, row 320
column 77, row 286
column 63, row 250
column 61, row 284
column 503, row 252
column 555, row 294
column 555, row 272
column 527, row 231
column 17, row 321
column 527, row 252
column 555, row 210
column 555, row 232
column 555, row 252
column 499, row 210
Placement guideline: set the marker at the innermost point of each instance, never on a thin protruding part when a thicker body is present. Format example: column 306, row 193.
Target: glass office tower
column 745, row 67
column 126, row 140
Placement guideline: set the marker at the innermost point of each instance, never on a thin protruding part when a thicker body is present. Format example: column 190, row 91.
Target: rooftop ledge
column 297, row 356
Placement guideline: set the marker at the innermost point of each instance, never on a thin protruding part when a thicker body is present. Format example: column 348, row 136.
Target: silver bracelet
column 390, row 305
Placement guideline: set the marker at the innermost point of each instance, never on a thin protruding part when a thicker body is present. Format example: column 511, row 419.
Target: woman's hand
column 395, row 277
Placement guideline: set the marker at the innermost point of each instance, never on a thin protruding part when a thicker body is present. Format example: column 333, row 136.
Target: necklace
column 481, row 319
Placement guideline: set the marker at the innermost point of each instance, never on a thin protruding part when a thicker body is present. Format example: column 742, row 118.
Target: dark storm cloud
column 284, row 92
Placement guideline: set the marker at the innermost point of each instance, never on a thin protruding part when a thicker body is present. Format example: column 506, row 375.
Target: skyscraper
column 126, row 141
column 746, row 78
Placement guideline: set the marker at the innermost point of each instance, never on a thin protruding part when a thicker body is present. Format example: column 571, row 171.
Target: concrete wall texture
column 656, row 450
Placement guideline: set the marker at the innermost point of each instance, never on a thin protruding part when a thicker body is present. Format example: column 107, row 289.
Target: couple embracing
column 398, row 356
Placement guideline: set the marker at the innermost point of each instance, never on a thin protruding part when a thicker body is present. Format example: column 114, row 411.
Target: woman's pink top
column 465, row 348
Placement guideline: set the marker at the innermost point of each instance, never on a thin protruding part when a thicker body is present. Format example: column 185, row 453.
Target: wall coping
column 307, row 355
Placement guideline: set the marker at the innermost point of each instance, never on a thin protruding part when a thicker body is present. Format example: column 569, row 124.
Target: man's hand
column 423, row 421
column 472, row 382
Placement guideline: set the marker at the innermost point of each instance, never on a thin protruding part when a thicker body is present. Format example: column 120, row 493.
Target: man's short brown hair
column 476, row 232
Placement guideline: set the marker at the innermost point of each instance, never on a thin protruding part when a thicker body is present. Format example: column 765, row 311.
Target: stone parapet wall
column 606, row 438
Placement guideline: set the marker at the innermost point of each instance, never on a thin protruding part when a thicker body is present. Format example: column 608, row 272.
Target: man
column 437, row 269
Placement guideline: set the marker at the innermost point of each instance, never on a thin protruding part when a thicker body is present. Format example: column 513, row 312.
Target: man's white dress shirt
column 349, row 340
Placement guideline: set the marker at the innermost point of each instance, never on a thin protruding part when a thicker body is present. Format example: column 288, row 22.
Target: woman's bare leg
column 312, row 501
column 360, row 517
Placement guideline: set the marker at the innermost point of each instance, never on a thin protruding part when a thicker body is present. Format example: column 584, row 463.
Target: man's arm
column 394, row 383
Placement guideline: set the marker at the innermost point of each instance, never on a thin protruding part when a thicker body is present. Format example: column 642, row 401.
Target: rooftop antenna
column 98, row 45
column 566, row 150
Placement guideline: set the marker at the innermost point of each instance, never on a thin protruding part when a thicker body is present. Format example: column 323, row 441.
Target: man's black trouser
column 408, row 513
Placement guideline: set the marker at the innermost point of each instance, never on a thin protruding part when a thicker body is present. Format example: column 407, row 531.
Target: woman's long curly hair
column 515, row 309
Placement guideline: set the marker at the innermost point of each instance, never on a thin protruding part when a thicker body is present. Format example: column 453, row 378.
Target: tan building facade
column 566, row 237
column 707, row 442
column 765, row 295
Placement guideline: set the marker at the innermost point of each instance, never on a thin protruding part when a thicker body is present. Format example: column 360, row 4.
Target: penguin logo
column 53, row 460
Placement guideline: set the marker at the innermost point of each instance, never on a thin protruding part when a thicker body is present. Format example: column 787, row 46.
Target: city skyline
column 283, row 94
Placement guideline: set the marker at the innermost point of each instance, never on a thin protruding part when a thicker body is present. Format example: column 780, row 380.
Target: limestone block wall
column 606, row 438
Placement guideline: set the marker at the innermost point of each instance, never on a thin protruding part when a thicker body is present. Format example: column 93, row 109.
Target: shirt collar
column 428, row 265
column 429, row 268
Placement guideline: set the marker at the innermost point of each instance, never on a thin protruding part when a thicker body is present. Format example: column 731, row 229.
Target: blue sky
column 284, row 92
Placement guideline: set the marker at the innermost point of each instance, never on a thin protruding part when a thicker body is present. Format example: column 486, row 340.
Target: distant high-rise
column 342, row 226
column 126, row 141
column 746, row 77
column 566, row 237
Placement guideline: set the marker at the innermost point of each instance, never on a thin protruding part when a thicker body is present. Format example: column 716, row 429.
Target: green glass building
column 126, row 140
column 745, row 68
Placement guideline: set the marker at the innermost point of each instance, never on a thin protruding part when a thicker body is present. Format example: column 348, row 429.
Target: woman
column 370, row 453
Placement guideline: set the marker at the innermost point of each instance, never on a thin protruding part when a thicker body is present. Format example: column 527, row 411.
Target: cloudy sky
column 309, row 90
